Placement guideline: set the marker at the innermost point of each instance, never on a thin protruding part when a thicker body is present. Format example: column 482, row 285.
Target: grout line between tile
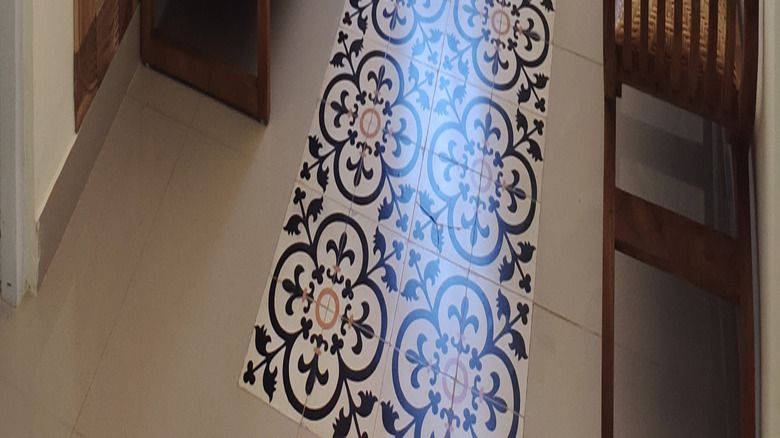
column 566, row 319
column 577, row 54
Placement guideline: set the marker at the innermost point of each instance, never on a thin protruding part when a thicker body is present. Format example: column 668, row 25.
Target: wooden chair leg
column 746, row 316
column 608, row 274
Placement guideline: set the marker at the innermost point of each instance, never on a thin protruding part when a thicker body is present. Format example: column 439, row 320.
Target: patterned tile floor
column 401, row 293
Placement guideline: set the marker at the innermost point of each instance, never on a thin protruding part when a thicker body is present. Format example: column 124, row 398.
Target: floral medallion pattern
column 460, row 353
column 399, row 301
column 503, row 44
column 366, row 142
column 324, row 314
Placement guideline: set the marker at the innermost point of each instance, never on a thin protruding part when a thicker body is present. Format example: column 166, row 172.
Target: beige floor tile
column 228, row 126
column 56, row 339
column 578, row 28
column 164, row 94
column 568, row 273
column 180, row 339
column 305, row 433
column 564, row 380
column 22, row 417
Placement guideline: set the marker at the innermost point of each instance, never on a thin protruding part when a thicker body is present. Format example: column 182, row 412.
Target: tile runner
column 401, row 293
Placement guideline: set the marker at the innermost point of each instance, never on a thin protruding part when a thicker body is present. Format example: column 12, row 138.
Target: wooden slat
column 627, row 35
column 609, row 49
column 660, row 46
column 728, row 66
column 747, row 89
column 644, row 39
column 693, row 64
column 713, row 90
column 608, row 274
column 677, row 45
column 676, row 244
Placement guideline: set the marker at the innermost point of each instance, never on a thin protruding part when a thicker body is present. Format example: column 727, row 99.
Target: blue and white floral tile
column 414, row 28
column 525, row 53
column 391, row 169
column 422, row 328
column 457, row 130
column 289, row 300
column 446, row 210
column 494, row 362
column 328, row 275
column 416, row 398
column 504, row 45
column 343, row 401
column 426, row 342
column 472, row 35
column 508, row 209
column 515, row 141
column 475, row 415
column 345, row 115
column 369, row 305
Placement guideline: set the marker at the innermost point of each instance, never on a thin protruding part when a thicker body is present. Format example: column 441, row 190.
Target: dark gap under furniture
column 217, row 46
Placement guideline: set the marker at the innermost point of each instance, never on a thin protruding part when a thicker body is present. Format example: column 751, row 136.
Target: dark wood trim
column 678, row 245
column 740, row 159
column 610, row 61
column 749, row 69
column 718, row 263
column 229, row 84
column 608, row 274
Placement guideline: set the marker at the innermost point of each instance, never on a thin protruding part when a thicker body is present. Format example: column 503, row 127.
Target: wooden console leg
column 608, row 274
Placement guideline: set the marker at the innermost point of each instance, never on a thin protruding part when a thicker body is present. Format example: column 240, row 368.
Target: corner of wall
column 55, row 211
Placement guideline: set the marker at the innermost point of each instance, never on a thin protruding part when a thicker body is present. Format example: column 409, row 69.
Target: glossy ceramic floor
column 142, row 324
column 400, row 299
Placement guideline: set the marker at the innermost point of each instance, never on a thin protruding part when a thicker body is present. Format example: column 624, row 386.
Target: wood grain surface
column 98, row 30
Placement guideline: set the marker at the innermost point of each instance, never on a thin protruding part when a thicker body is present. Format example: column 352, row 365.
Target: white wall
column 52, row 83
column 767, row 159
